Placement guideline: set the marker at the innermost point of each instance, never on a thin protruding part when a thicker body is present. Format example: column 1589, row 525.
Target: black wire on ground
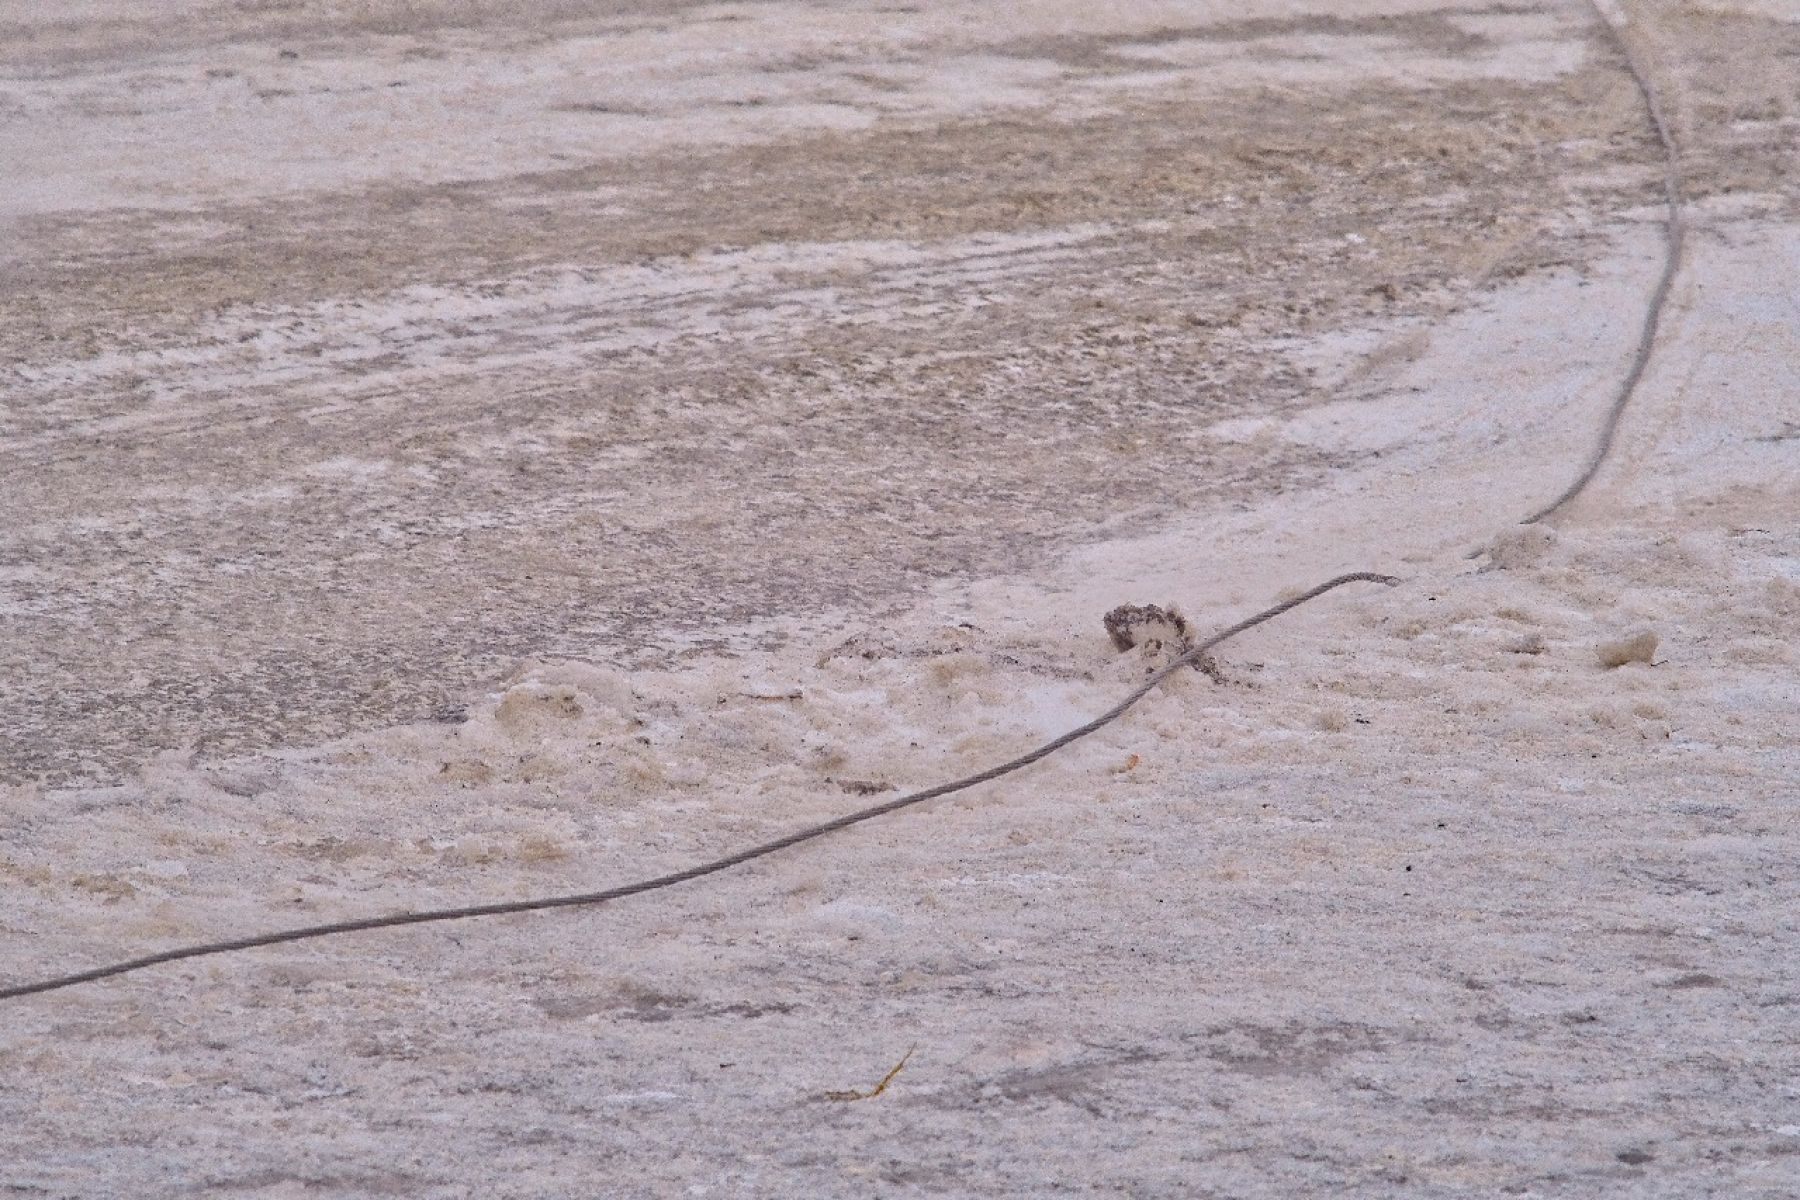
column 808, row 834
column 1674, row 236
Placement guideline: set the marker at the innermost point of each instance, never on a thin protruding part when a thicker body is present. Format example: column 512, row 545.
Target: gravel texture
column 454, row 456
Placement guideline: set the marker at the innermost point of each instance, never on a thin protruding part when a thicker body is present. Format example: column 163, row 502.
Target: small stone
column 1633, row 647
column 1148, row 625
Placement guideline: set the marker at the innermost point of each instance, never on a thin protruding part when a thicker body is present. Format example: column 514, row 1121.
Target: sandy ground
column 451, row 457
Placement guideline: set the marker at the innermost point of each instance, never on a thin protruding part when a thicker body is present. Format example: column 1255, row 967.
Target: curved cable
column 702, row 870
column 1674, row 236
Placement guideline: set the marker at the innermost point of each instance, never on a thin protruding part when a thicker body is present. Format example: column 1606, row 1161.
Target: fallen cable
column 1674, row 236
column 708, row 868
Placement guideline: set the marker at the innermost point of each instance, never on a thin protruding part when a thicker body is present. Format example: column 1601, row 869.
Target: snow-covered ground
column 640, row 435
